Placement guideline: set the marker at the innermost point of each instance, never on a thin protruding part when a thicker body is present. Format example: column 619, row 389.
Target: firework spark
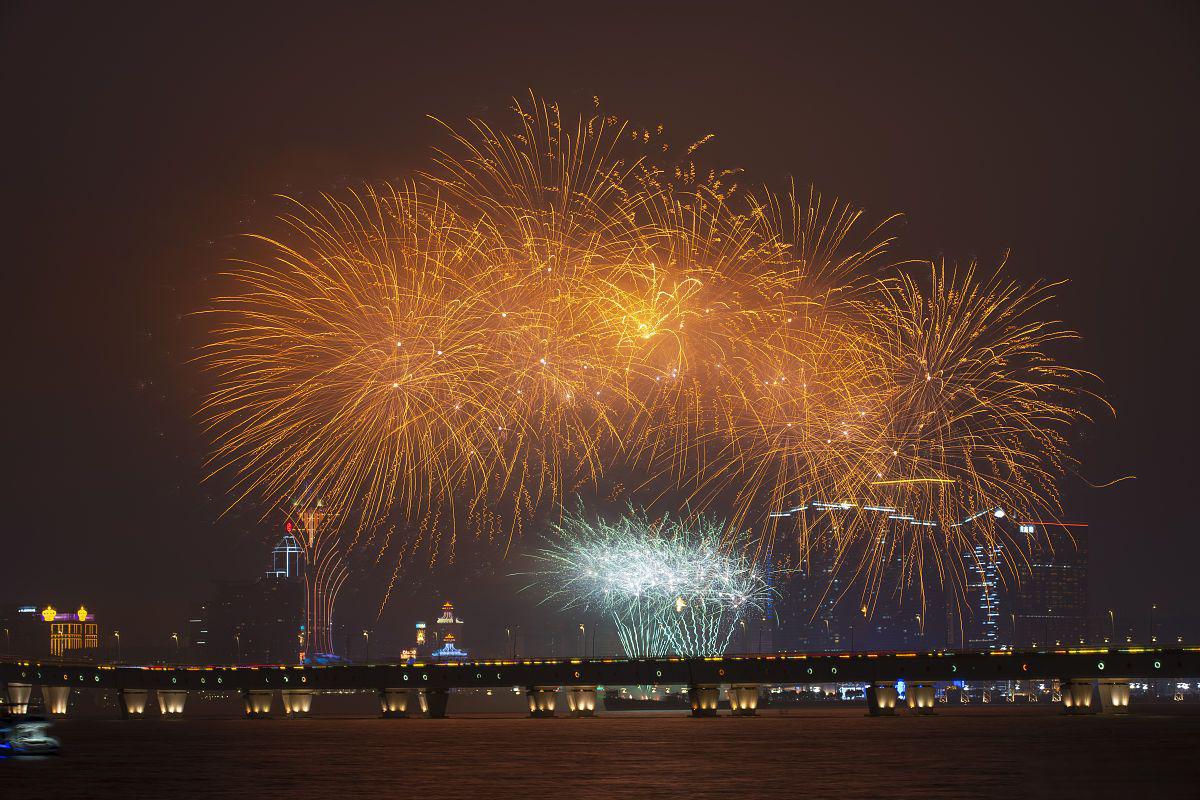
column 563, row 303
column 670, row 587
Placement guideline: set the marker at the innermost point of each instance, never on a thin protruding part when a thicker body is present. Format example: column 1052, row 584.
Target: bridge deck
column 781, row 668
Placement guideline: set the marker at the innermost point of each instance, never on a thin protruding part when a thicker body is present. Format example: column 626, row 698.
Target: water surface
column 838, row 752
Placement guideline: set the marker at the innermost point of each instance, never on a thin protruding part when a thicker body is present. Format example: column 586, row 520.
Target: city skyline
column 149, row 393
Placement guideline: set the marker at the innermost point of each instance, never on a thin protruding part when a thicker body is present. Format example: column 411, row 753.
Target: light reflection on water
column 963, row 752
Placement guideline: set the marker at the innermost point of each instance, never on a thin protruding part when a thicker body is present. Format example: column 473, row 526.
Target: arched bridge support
column 743, row 699
column 1077, row 696
column 393, row 703
column 434, row 702
column 56, row 699
column 542, row 700
column 881, row 698
column 296, row 702
column 581, row 701
column 921, row 698
column 133, row 702
column 170, row 702
column 18, row 697
column 258, row 702
column 704, row 699
column 1114, row 695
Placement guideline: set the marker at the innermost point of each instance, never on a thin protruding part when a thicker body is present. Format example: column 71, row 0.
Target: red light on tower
column 287, row 526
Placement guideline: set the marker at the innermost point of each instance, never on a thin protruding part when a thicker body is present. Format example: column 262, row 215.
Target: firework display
column 563, row 305
column 672, row 587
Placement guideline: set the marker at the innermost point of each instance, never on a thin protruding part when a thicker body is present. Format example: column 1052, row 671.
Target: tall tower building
column 981, row 625
column 1050, row 602
column 286, row 556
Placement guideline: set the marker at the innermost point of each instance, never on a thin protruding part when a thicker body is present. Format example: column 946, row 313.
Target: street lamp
column 237, row 638
column 582, row 641
column 367, row 639
column 1112, row 624
column 175, row 636
column 1153, row 608
column 117, row 634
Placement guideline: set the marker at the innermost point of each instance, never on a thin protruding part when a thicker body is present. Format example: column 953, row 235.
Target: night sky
column 140, row 141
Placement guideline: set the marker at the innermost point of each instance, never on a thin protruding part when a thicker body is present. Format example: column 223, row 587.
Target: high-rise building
column 253, row 621
column 981, row 622
column 256, row 621
column 1050, row 600
column 807, row 606
column 286, row 558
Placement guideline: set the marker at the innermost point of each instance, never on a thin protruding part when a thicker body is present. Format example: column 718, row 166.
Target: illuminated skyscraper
column 1050, row 606
column 981, row 623
column 325, row 570
column 286, row 558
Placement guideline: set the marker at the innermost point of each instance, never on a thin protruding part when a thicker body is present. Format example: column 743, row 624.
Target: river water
column 980, row 751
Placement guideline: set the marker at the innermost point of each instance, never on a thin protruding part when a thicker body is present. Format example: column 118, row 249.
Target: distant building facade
column 1050, row 601
column 441, row 641
column 32, row 630
column 259, row 621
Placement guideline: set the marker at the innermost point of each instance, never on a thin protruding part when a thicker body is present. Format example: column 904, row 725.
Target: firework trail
column 561, row 303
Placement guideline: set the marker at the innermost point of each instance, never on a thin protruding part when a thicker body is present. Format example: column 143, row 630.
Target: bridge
column 1080, row 673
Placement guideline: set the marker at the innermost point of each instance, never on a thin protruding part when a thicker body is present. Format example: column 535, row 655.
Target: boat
column 27, row 736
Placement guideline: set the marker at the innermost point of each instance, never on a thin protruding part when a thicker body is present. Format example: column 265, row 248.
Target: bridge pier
column 296, row 702
column 1114, row 695
column 133, row 702
column 704, row 699
column 921, row 698
column 881, row 698
column 56, row 699
column 581, row 701
column 434, row 702
column 258, row 702
column 170, row 702
column 393, row 703
column 18, row 697
column 1077, row 696
column 743, row 699
column 542, row 700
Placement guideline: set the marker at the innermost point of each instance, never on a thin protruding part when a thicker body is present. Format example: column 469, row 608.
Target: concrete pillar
column 581, row 700
column 1114, row 695
column 542, row 700
column 1077, row 696
column 296, row 702
column 434, row 702
column 258, row 702
column 133, row 702
column 921, row 698
column 170, row 702
column 743, row 699
column 56, row 699
column 393, row 703
column 881, row 698
column 704, row 700
column 18, row 698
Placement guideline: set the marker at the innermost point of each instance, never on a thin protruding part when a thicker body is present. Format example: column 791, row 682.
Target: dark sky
column 138, row 141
